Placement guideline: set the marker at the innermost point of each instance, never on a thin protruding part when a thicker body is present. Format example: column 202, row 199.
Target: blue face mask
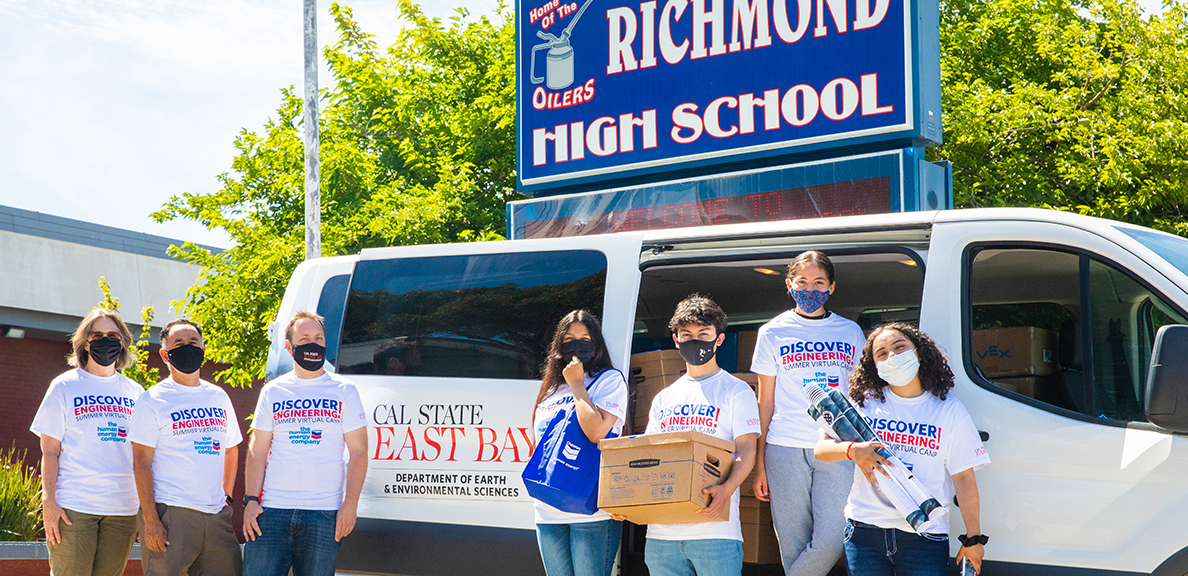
column 809, row 301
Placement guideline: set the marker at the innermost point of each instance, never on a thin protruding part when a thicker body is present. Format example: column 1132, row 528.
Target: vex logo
column 994, row 352
column 570, row 451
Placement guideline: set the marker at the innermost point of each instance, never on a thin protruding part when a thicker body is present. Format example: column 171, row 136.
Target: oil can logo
column 570, row 451
column 559, row 60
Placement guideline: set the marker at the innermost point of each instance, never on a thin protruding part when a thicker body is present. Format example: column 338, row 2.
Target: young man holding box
column 704, row 548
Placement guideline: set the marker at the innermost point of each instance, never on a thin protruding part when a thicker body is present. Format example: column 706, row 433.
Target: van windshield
column 1172, row 248
column 473, row 316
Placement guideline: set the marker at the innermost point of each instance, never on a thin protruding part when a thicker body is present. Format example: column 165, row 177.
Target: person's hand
column 719, row 498
column 867, row 460
column 345, row 521
column 51, row 513
column 974, row 554
column 618, row 517
column 574, row 374
column 154, row 533
column 761, row 491
column 251, row 529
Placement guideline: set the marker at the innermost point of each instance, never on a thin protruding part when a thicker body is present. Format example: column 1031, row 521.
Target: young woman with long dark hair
column 578, row 376
column 901, row 386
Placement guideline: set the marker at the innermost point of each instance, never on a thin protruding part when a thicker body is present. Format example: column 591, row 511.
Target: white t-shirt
column 798, row 351
column 189, row 428
column 935, row 438
column 91, row 415
column 609, row 392
column 719, row 405
column 308, row 418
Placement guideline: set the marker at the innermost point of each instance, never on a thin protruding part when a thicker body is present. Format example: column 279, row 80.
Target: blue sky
column 110, row 107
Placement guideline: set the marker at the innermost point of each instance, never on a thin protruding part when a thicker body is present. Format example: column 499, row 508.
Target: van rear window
column 473, row 316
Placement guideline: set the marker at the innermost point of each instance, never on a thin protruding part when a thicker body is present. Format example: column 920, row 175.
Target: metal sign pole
column 313, row 192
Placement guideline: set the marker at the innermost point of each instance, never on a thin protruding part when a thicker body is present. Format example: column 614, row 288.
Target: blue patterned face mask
column 809, row 301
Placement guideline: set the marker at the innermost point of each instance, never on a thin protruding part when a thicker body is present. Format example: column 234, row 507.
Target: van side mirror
column 1166, row 403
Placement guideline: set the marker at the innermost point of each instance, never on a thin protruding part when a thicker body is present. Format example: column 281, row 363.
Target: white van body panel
column 1060, row 490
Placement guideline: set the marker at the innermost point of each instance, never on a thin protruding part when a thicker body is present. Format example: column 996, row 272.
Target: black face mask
column 697, row 352
column 187, row 358
column 583, row 349
column 310, row 356
column 105, row 351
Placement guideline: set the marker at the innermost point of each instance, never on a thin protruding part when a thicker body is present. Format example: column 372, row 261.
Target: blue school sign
column 614, row 92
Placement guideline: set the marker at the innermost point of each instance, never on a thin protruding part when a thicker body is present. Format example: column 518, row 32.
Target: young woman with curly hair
column 931, row 432
column 805, row 346
column 578, row 376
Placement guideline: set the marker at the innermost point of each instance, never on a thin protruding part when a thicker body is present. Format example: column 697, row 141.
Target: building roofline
column 80, row 232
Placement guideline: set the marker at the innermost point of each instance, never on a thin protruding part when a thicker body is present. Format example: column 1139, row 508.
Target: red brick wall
column 27, row 365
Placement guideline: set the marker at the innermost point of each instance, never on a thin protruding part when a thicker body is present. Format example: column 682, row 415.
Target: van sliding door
column 445, row 344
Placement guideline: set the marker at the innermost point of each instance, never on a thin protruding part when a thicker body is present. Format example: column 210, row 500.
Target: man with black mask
column 295, row 507
column 185, row 446
column 709, row 400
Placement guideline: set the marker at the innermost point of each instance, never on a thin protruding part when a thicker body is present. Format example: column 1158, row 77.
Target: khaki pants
column 92, row 545
column 200, row 544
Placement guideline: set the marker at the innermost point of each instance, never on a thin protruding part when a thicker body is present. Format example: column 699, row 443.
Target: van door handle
column 985, row 436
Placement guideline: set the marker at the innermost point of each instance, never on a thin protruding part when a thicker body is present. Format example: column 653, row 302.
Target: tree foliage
column 1076, row 105
column 140, row 372
column 417, row 147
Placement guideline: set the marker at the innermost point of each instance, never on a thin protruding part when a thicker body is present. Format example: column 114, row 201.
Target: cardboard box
column 644, row 393
column 658, row 478
column 1031, row 386
column 746, row 349
column 760, row 545
column 747, row 490
column 656, row 363
column 1022, row 351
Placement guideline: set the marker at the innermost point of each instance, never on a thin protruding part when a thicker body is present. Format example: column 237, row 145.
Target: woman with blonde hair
column 89, row 497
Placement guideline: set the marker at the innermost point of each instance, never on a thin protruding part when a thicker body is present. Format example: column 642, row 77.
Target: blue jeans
column 713, row 557
column 874, row 551
column 579, row 549
column 301, row 539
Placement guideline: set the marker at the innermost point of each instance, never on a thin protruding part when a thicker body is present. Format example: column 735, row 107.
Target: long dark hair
column 554, row 362
column 935, row 375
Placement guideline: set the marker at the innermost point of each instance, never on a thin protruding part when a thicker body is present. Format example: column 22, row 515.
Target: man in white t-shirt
column 299, row 498
column 712, row 548
column 185, row 445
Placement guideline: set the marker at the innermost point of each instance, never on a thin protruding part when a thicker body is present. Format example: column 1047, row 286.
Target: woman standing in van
column 89, row 497
column 578, row 376
column 910, row 418
column 805, row 346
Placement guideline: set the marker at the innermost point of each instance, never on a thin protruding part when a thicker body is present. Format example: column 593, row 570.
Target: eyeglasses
column 100, row 335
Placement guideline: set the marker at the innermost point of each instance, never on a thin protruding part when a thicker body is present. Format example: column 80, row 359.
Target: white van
column 445, row 342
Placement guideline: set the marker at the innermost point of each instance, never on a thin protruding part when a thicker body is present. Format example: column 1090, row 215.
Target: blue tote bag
column 563, row 471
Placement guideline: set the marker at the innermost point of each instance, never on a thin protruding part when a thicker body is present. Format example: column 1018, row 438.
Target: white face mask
column 900, row 369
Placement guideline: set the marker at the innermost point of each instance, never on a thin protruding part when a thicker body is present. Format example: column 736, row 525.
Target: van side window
column 473, row 316
column 1063, row 328
column 330, row 304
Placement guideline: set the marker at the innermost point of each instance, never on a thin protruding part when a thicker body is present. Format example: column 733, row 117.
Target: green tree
column 140, row 371
column 417, row 147
column 1075, row 105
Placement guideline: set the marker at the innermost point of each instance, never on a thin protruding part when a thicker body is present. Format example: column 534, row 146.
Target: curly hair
column 700, row 311
column 935, row 375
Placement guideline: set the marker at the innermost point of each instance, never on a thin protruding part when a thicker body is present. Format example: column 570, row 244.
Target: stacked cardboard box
column 1017, row 358
column 746, row 349
column 760, row 545
column 651, row 372
column 658, row 478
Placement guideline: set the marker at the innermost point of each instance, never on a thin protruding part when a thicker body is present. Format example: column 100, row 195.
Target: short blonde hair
column 79, row 356
column 303, row 315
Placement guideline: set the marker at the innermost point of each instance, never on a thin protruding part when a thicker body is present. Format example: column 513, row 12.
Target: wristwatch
column 230, row 500
column 967, row 541
column 248, row 498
